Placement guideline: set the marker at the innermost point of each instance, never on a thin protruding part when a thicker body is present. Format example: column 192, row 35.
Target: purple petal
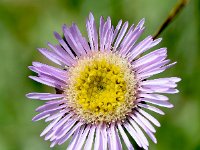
column 155, row 65
column 50, row 135
column 148, row 116
column 73, row 43
column 131, row 41
column 125, row 138
column 47, row 107
column 63, row 130
column 41, row 116
column 127, row 38
column 56, row 101
column 54, row 116
column 90, row 139
column 64, row 44
column 149, row 60
column 115, row 138
column 152, row 108
column 112, row 138
column 92, row 32
column 49, row 69
column 154, row 96
column 63, row 121
column 133, row 133
column 145, row 128
column 117, row 30
column 104, row 139
column 141, row 23
column 82, row 138
column 106, row 35
column 44, row 96
column 66, row 137
column 82, row 39
column 62, row 53
column 144, row 121
column 157, row 102
column 51, row 56
column 140, row 48
column 151, row 73
column 50, row 126
column 97, row 138
column 142, row 137
column 74, row 139
column 47, row 81
column 121, row 35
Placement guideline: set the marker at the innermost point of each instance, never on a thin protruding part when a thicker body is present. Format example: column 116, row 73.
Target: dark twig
column 173, row 13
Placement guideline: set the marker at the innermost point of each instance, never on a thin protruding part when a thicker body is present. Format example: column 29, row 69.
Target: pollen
column 101, row 88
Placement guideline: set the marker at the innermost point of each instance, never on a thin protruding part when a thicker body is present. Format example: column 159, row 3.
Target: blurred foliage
column 28, row 24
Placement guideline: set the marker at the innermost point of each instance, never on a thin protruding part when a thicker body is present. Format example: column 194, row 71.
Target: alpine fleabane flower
column 102, row 87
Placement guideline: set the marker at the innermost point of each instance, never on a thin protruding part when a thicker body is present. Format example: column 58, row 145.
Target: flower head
column 103, row 86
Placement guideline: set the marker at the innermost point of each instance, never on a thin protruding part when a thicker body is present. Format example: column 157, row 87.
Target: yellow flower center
column 101, row 88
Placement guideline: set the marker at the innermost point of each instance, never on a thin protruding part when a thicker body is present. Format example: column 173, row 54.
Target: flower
column 103, row 87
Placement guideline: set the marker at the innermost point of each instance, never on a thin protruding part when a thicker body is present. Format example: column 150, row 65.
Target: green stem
column 173, row 13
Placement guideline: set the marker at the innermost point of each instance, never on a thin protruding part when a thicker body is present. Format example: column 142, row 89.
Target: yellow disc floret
column 101, row 88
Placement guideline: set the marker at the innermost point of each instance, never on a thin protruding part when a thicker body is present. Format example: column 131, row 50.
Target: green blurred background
column 28, row 24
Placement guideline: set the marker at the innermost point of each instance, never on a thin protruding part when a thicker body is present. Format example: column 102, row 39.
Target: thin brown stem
column 173, row 13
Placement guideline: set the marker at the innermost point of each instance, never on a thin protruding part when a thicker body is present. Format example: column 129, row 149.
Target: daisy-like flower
column 102, row 87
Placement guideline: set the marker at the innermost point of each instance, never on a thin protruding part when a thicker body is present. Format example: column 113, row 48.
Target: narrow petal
column 131, row 37
column 66, row 137
column 131, row 41
column 63, row 121
column 50, row 135
column 92, row 32
column 121, row 35
column 152, row 108
column 82, row 39
column 141, row 61
column 125, row 138
column 62, row 53
column 101, row 26
column 72, row 40
column 44, row 96
column 144, row 121
column 39, row 64
column 82, row 138
column 50, row 126
column 104, row 138
column 74, row 140
column 90, row 139
column 107, row 35
column 144, row 140
column 51, row 56
column 64, row 129
column 157, row 64
column 117, row 30
column 42, row 115
column 112, row 138
column 97, row 138
column 47, row 81
column 157, row 102
column 54, row 116
column 115, row 138
column 140, row 48
column 145, row 128
column 133, row 133
column 50, row 106
column 151, row 73
column 148, row 116
column 64, row 44
column 154, row 96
